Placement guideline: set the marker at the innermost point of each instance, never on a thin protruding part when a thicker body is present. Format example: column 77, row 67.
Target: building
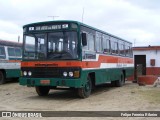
column 147, row 64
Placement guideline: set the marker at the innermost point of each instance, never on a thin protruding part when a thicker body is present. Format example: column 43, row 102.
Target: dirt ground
column 130, row 97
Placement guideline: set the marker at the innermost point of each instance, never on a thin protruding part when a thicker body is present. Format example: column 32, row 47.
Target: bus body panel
column 104, row 72
column 13, row 73
column 101, row 76
column 53, row 82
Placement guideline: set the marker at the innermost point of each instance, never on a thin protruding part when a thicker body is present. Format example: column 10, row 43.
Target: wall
column 150, row 54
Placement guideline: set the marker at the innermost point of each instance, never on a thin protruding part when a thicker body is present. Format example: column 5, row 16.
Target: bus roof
column 10, row 43
column 77, row 22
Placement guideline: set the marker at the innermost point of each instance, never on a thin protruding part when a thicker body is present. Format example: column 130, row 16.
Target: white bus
column 10, row 58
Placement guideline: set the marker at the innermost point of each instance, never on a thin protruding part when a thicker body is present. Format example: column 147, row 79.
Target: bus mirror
column 84, row 39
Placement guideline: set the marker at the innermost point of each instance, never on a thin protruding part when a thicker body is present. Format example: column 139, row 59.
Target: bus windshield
column 51, row 46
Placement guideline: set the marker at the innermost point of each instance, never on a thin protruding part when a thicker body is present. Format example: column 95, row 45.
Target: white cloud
column 10, row 31
column 128, row 19
column 10, row 36
column 9, row 27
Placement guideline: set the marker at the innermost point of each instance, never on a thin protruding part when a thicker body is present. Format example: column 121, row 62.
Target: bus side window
column 18, row 52
column 116, row 47
column 11, row 51
column 2, row 52
column 127, row 49
column 86, row 46
column 112, row 47
column 89, row 50
column 91, row 42
column 84, row 39
column 98, row 43
column 131, row 51
column 106, row 45
column 121, row 49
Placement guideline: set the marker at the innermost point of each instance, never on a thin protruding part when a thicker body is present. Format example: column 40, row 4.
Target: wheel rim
column 87, row 86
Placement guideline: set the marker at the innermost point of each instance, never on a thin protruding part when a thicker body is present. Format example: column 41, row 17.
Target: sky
column 137, row 21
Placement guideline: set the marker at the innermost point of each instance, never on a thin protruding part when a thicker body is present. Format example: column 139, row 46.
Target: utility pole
column 82, row 14
column 53, row 17
column 18, row 38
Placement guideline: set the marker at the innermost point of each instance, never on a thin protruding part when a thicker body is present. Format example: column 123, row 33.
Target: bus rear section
column 10, row 58
column 74, row 55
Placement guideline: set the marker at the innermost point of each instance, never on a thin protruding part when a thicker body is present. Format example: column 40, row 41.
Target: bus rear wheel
column 120, row 82
column 2, row 78
column 42, row 90
column 85, row 91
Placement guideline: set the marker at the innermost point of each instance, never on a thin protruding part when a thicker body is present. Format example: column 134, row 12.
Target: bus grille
column 48, row 72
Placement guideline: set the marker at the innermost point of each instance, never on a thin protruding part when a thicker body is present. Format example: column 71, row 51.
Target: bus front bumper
column 31, row 82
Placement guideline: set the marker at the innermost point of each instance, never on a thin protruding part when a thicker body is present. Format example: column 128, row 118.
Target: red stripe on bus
column 82, row 64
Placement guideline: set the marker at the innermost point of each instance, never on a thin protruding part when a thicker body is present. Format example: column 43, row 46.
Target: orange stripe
column 82, row 64
column 14, row 61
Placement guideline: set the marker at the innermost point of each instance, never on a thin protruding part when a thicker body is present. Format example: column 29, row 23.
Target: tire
column 113, row 83
column 42, row 90
column 85, row 91
column 2, row 78
column 120, row 82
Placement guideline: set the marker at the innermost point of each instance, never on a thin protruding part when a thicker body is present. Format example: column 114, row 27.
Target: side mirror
column 84, row 39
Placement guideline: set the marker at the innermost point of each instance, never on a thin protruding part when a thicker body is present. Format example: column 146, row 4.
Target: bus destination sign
column 48, row 27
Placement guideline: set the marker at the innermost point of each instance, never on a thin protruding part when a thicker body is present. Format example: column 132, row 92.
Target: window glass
column 116, row 47
column 90, row 42
column 112, row 47
column 35, row 46
column 62, row 45
column 127, row 50
column 29, row 44
column 106, row 45
column 18, row 52
column 87, row 46
column 11, row 52
column 2, row 53
column 121, row 49
column 98, row 43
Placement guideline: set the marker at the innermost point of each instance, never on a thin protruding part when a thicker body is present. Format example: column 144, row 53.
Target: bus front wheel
column 42, row 90
column 2, row 78
column 85, row 91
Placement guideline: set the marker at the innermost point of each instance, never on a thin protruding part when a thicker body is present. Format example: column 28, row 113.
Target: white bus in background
column 10, row 58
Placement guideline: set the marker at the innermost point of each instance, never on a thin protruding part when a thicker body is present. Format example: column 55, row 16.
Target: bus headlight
column 70, row 74
column 29, row 73
column 25, row 73
column 65, row 74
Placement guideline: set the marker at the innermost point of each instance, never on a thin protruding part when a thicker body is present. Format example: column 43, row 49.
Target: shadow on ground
column 70, row 94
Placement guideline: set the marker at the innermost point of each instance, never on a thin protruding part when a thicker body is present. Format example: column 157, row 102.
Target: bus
column 74, row 55
column 10, row 58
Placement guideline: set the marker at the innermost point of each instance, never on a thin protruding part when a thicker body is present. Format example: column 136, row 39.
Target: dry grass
column 151, row 94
